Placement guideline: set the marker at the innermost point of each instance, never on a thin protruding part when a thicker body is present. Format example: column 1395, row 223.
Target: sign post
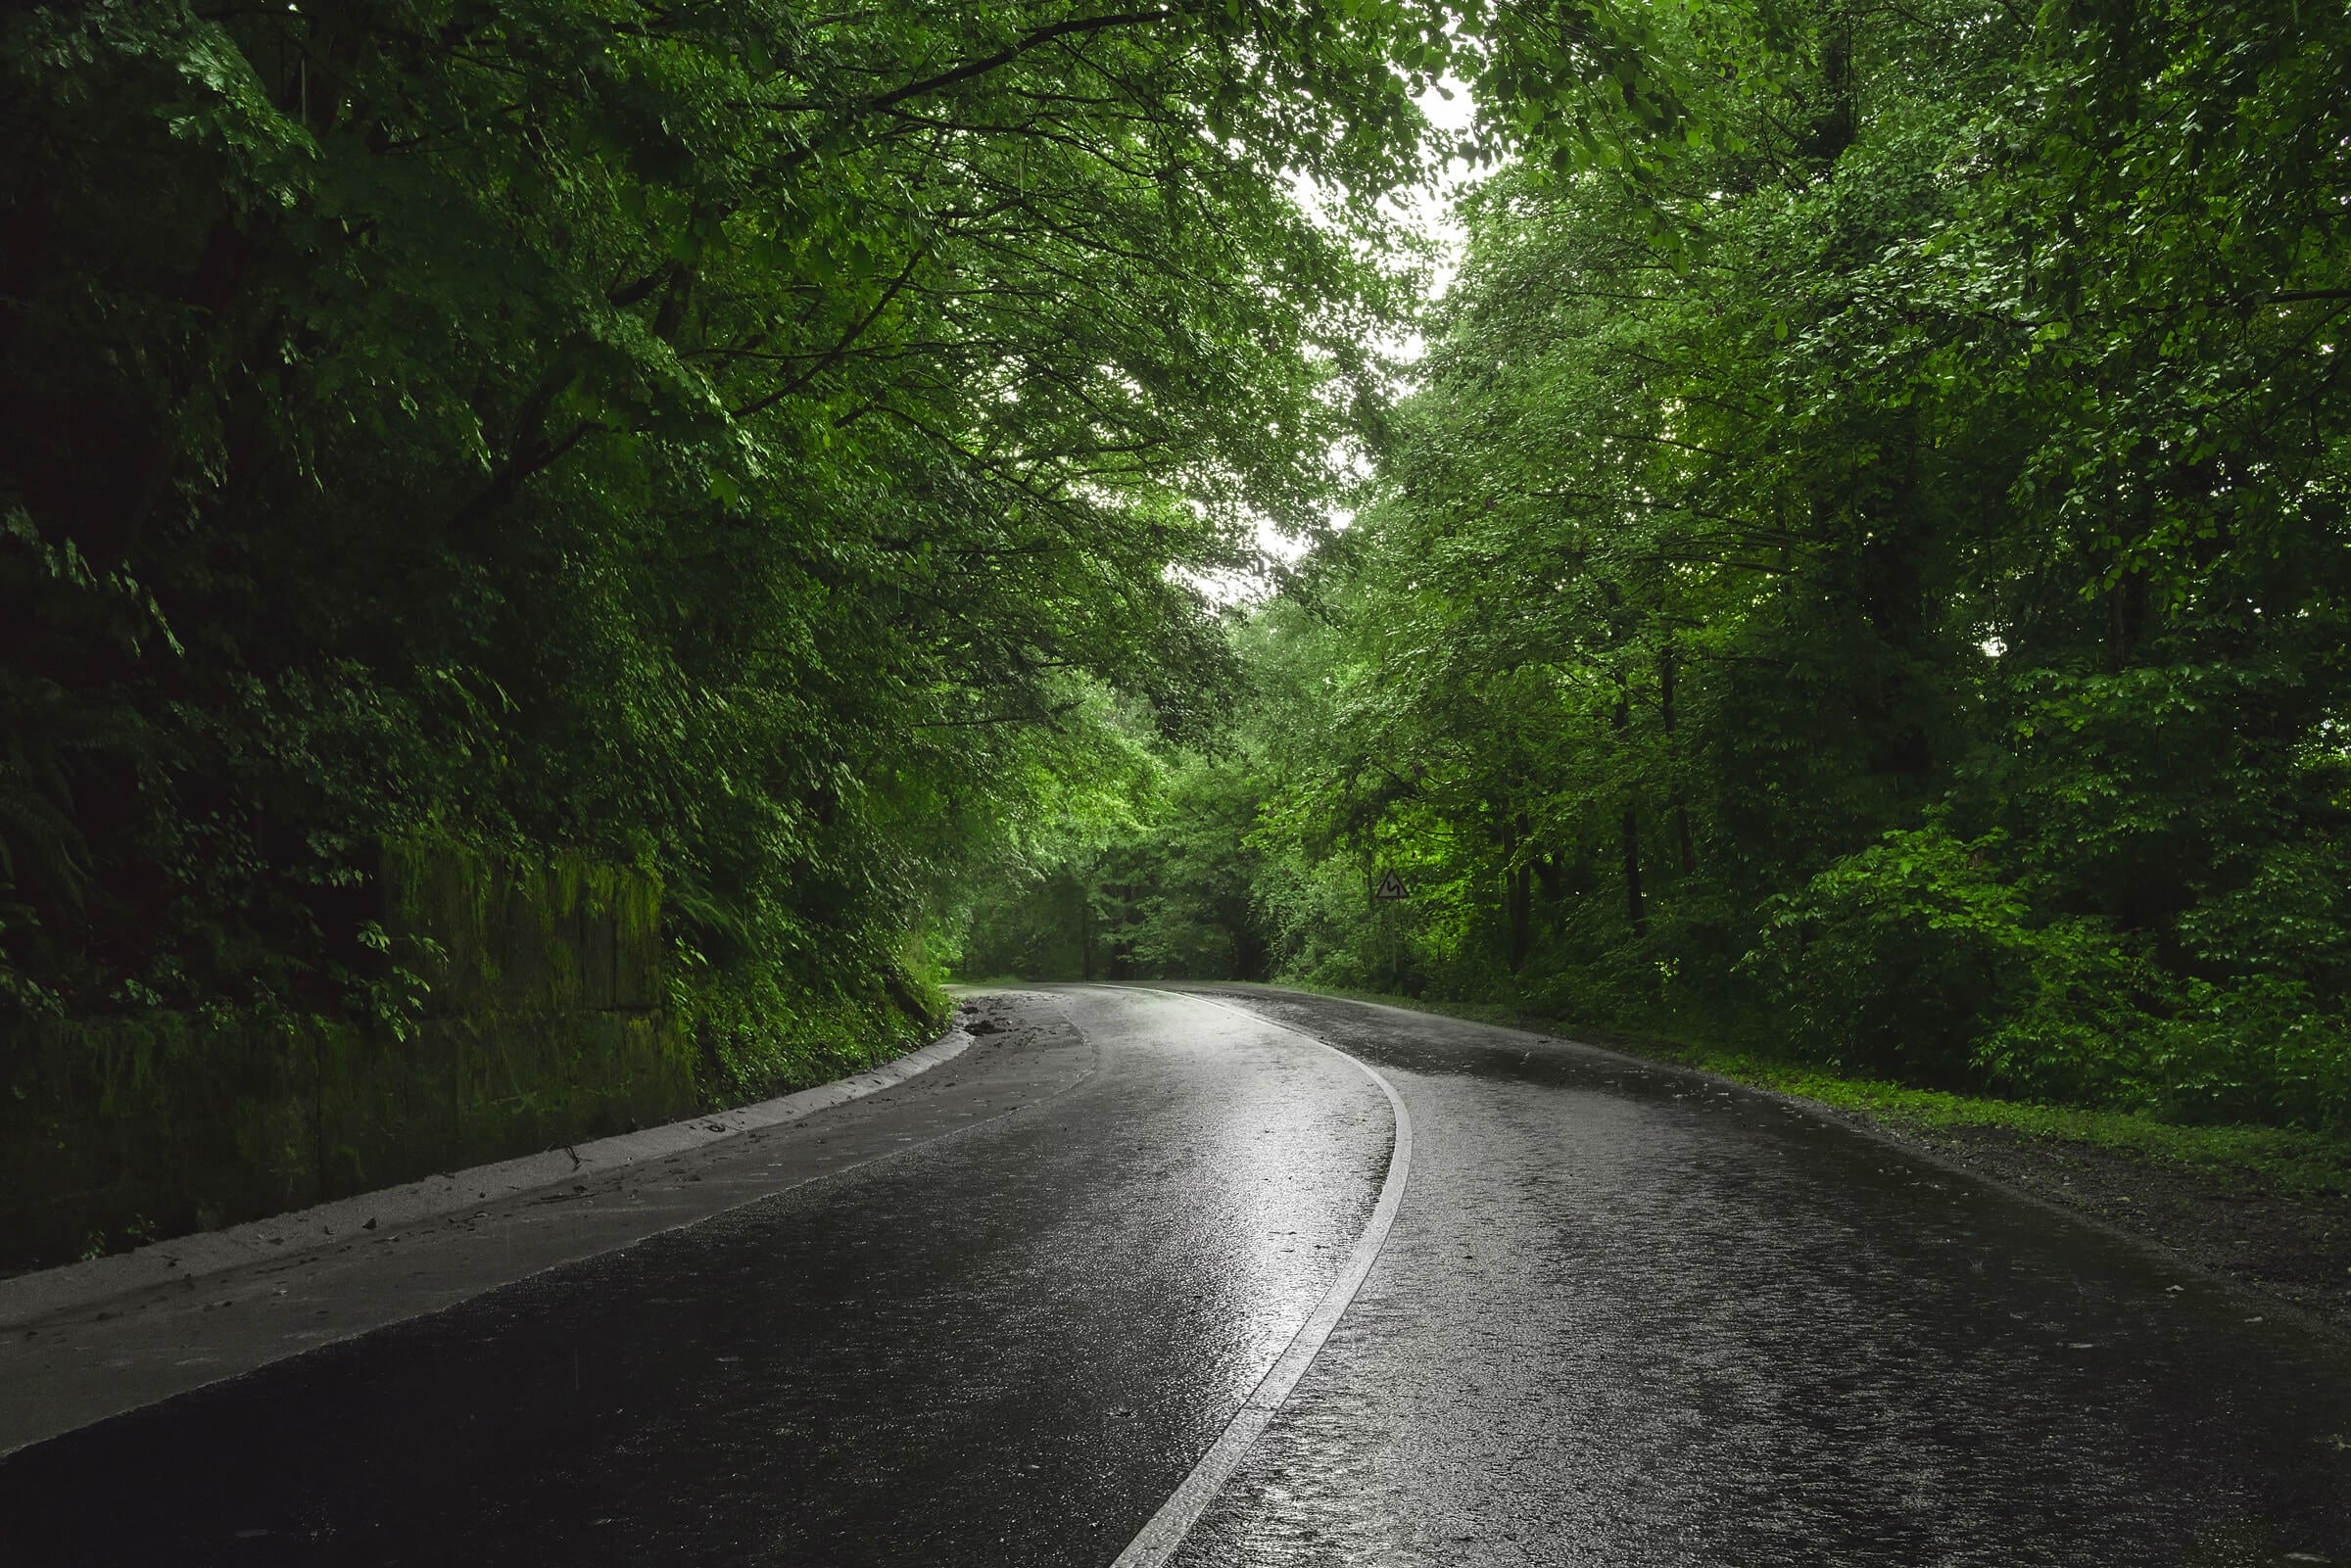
column 1384, row 895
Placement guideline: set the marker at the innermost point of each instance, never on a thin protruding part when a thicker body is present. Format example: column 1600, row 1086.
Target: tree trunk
column 1517, row 889
column 1666, row 664
column 1086, row 927
column 1634, row 908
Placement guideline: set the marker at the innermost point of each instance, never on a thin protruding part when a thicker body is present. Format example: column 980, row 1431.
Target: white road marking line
column 1156, row 1542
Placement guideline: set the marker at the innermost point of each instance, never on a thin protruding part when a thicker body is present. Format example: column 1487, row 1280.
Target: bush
column 1899, row 958
column 2259, row 1050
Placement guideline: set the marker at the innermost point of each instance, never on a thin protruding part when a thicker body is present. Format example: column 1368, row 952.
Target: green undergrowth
column 2282, row 1160
column 517, row 1004
column 754, row 1035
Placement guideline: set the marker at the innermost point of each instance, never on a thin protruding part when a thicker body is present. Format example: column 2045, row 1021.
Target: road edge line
column 1157, row 1542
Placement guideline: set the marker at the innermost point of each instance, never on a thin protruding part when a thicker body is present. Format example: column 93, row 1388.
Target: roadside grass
column 2281, row 1160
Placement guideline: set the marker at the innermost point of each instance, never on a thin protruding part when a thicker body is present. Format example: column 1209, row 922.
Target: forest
column 1859, row 563
column 1864, row 579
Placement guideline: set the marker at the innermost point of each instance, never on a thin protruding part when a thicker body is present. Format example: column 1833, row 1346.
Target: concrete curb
column 29, row 1297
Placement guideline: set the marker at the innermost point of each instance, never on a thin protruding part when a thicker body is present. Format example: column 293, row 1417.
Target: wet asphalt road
column 1632, row 1316
column 1625, row 1317
column 1003, row 1343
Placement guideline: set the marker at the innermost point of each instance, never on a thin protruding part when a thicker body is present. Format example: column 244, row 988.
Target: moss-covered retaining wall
column 543, row 1025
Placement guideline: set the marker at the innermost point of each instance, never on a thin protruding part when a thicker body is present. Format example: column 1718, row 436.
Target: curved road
column 1625, row 1316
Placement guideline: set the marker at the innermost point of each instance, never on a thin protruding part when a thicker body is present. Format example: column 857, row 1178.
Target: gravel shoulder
column 2291, row 1246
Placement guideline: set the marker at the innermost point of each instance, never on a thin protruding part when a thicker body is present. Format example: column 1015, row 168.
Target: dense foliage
column 747, row 443
column 1865, row 568
column 1861, row 563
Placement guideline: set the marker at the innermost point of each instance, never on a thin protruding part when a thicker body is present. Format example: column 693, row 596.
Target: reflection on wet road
column 1625, row 1317
column 1002, row 1346
column 1633, row 1317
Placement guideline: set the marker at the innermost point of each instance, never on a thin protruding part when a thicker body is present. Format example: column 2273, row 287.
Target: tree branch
column 883, row 102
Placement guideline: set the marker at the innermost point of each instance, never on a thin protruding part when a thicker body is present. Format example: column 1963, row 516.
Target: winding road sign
column 1390, row 885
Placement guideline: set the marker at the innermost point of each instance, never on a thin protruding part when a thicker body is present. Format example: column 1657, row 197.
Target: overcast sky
column 1429, row 208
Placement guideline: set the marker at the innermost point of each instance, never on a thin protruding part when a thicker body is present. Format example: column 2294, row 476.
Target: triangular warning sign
column 1390, row 885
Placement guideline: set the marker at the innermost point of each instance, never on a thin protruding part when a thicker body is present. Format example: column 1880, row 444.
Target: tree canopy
column 1861, row 561
column 1863, row 564
column 747, row 441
